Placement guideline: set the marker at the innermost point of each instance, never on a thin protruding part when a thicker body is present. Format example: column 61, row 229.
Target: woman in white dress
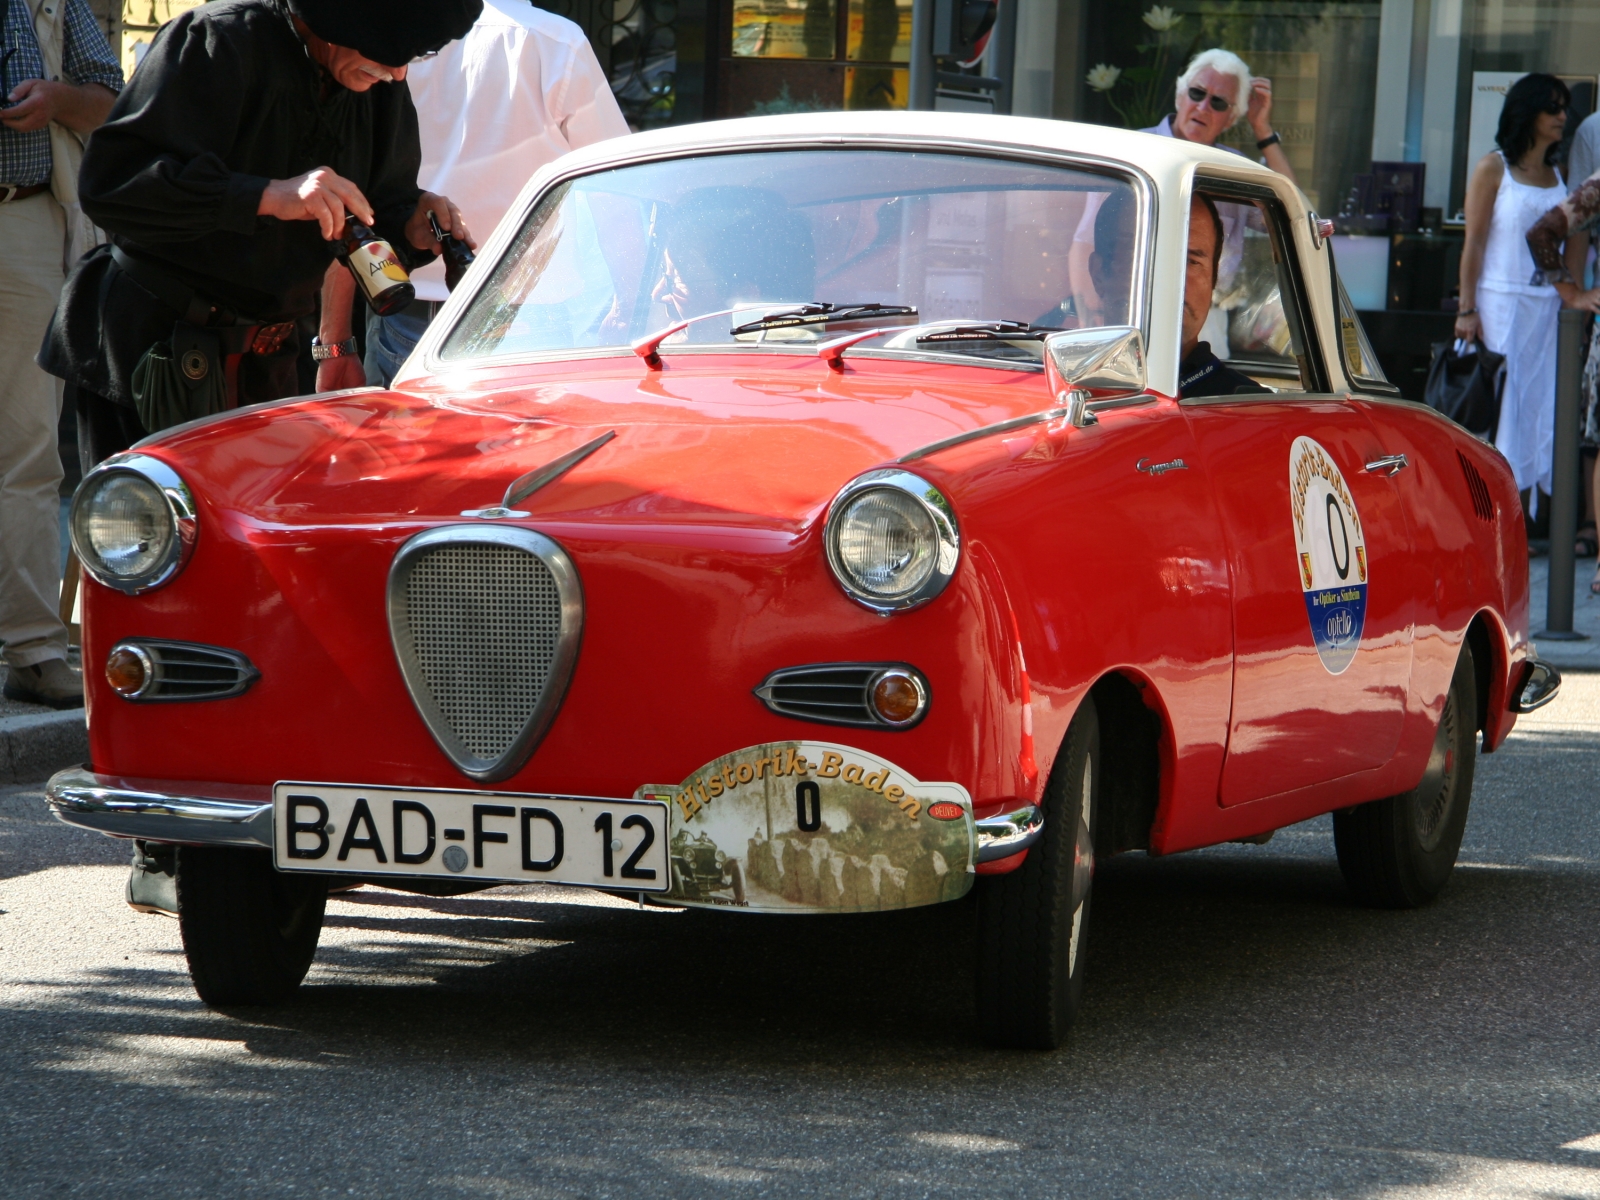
column 1506, row 301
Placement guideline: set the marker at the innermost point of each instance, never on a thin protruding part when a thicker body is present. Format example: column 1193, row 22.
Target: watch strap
column 321, row 352
column 1272, row 139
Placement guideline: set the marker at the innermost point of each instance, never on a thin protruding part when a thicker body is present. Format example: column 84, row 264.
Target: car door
column 1317, row 543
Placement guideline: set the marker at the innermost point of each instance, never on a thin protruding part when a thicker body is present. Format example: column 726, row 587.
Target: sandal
column 1587, row 542
column 1594, row 584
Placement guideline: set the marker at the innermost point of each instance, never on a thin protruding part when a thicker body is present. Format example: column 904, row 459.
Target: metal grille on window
column 636, row 42
column 485, row 624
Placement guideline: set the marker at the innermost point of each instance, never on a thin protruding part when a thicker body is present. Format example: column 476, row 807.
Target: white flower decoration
column 1104, row 77
column 1161, row 18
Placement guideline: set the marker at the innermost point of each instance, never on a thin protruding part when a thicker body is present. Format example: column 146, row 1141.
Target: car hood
column 763, row 439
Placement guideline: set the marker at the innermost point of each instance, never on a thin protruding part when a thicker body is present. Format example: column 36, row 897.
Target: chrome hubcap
column 1437, row 789
column 1082, row 867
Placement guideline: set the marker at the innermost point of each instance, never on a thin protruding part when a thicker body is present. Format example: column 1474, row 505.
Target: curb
column 35, row 746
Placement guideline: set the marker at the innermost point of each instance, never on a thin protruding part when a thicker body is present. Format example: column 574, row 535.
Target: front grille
column 485, row 623
column 188, row 671
column 831, row 693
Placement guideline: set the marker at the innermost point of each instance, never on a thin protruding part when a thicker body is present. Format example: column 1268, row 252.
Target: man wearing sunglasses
column 1208, row 105
column 1213, row 95
column 249, row 131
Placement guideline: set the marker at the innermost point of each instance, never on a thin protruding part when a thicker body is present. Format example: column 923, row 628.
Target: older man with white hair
column 1212, row 96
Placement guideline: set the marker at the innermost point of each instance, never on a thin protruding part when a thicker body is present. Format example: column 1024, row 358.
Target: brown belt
column 10, row 191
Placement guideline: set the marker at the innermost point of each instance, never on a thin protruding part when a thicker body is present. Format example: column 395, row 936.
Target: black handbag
column 1465, row 383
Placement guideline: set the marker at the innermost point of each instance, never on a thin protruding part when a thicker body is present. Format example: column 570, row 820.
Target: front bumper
column 186, row 815
column 119, row 809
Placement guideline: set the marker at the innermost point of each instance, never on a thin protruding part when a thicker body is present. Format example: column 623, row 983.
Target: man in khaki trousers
column 58, row 79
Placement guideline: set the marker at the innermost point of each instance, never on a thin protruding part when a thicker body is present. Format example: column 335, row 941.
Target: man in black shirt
column 248, row 132
column 1202, row 373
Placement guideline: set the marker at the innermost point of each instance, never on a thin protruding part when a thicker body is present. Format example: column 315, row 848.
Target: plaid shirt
column 86, row 58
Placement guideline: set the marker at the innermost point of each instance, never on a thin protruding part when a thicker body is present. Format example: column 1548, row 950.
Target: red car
column 807, row 515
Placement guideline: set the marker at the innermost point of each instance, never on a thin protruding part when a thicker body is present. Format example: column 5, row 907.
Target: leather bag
column 1465, row 382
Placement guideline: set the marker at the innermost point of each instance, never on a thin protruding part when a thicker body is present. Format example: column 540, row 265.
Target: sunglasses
column 1555, row 108
column 1218, row 103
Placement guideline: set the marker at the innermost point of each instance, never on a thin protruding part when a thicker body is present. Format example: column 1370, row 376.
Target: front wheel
column 249, row 930
column 1399, row 852
column 1032, row 923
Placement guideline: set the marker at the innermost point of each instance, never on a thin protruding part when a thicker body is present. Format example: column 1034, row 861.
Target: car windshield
column 937, row 242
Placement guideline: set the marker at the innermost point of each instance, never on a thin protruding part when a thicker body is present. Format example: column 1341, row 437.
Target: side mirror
column 1105, row 359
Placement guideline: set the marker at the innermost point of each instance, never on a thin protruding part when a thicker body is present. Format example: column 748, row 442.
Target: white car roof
column 1169, row 163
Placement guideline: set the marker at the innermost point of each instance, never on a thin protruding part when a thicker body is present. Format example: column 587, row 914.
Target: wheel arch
column 1135, row 757
column 1492, row 672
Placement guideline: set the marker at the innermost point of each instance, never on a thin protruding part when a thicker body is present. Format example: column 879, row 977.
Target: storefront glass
column 1321, row 57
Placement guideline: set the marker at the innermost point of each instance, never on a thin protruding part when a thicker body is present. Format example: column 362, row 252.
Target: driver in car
column 1202, row 373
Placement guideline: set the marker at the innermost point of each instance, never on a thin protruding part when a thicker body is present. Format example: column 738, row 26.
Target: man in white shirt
column 518, row 91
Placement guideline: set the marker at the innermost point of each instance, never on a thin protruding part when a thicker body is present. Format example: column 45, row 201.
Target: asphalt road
column 1248, row 1033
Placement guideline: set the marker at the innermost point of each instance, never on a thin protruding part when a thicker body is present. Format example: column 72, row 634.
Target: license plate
column 337, row 828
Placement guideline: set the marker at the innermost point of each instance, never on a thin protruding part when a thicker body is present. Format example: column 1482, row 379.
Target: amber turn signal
column 128, row 670
column 898, row 698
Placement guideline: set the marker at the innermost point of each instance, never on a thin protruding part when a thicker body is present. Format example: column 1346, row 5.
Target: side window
column 1257, row 320
column 1360, row 363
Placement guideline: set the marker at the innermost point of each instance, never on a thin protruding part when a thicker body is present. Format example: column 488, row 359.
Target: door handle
column 1150, row 468
column 1389, row 464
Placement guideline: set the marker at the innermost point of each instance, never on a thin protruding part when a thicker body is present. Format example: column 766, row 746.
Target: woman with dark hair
column 1506, row 301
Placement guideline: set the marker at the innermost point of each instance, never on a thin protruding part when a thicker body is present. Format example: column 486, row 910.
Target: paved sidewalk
column 1583, row 655
column 36, row 742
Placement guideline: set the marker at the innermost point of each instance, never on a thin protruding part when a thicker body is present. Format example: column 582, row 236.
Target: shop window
column 786, row 56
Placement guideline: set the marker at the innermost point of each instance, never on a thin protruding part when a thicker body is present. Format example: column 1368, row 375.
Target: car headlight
column 133, row 523
column 892, row 540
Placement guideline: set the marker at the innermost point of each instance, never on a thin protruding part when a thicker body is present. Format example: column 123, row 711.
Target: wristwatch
column 322, row 353
column 1272, row 139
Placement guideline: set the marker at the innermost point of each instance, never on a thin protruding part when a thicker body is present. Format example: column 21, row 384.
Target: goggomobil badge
column 1330, row 553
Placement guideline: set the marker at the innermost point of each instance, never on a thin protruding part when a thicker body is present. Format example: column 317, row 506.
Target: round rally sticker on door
column 1330, row 553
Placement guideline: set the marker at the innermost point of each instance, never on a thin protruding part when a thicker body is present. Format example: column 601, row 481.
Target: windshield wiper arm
column 989, row 331
column 821, row 312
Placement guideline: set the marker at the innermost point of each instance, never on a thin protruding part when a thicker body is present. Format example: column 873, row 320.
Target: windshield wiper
column 989, row 331
column 814, row 312
column 820, row 312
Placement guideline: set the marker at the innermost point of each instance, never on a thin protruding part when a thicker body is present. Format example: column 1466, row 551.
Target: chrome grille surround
column 838, row 693
column 176, row 671
column 486, row 623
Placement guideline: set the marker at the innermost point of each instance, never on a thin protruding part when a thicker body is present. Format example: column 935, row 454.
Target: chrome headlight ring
column 176, row 507
column 943, row 545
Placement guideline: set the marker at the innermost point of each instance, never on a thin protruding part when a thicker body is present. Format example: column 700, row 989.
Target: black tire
column 1399, row 852
column 249, row 930
column 1033, row 923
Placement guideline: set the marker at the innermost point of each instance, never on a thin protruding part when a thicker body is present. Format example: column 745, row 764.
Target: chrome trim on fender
column 1009, row 833
column 78, row 797
column 1540, row 686
column 1038, row 418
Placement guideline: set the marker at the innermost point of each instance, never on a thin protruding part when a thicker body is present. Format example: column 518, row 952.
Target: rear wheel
column 1032, row 923
column 1399, row 852
column 249, row 930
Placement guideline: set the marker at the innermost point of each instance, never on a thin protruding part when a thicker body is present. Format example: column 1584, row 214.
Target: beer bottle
column 379, row 275
column 458, row 255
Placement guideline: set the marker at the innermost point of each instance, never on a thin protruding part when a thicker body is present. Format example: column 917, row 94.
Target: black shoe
column 51, row 683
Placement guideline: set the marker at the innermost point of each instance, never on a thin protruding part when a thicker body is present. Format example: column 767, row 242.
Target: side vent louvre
column 1482, row 502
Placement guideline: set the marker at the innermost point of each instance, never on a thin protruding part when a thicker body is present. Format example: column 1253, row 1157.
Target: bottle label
column 376, row 266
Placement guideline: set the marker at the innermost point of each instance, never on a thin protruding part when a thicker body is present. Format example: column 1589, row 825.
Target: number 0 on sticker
column 1330, row 553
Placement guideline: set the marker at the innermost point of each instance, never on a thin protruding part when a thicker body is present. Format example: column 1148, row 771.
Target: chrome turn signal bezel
column 947, row 556
column 180, row 510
